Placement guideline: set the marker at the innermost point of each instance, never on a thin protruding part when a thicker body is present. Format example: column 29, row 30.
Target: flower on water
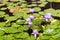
column 31, row 17
column 28, row 20
column 30, row 23
column 47, row 16
column 35, row 32
column 31, row 10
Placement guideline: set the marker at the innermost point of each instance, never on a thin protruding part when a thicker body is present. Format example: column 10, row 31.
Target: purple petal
column 31, row 17
column 35, row 32
column 31, row 10
column 30, row 23
column 27, row 20
column 47, row 16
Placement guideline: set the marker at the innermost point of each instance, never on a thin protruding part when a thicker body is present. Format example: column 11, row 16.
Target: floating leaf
column 21, row 35
column 20, row 21
column 10, row 30
column 3, row 8
column 2, row 14
column 8, row 37
column 1, row 32
column 50, row 0
column 15, row 25
column 1, row 37
column 12, row 18
column 37, row 9
column 2, row 24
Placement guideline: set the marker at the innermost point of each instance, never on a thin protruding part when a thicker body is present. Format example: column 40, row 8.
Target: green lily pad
column 11, row 18
column 25, row 27
column 37, row 9
column 18, row 14
column 42, row 5
column 30, row 38
column 15, row 25
column 2, row 24
column 3, row 8
column 21, row 35
column 20, row 29
column 10, row 7
column 26, row 16
column 37, row 20
column 7, row 24
column 1, row 37
column 2, row 14
column 2, row 4
column 8, row 37
column 1, row 32
column 20, row 21
column 52, row 11
column 10, row 30
column 50, row 0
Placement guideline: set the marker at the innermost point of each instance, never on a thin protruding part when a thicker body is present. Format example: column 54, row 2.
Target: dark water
column 55, row 5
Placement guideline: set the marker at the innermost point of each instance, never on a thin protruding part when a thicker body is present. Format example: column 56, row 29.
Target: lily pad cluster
column 25, row 20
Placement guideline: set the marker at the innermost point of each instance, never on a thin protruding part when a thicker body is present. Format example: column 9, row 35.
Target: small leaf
column 2, row 14
column 15, row 25
column 37, row 9
column 10, row 30
column 8, row 37
column 21, row 35
column 20, row 21
column 1, row 32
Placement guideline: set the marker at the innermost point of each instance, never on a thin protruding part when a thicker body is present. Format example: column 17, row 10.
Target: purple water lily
column 31, row 10
column 47, row 16
column 35, row 32
column 28, row 20
column 30, row 23
column 31, row 17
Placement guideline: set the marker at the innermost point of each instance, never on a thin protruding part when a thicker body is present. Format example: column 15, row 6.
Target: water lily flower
column 31, row 17
column 28, row 20
column 31, row 10
column 35, row 32
column 30, row 23
column 47, row 16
